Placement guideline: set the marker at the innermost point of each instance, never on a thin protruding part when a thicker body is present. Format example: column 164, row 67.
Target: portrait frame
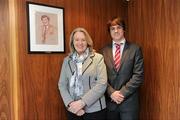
column 45, row 28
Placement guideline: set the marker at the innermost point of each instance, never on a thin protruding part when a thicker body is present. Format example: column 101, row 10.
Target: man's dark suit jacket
column 127, row 79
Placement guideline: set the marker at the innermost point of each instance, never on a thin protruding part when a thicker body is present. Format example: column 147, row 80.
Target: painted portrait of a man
column 46, row 29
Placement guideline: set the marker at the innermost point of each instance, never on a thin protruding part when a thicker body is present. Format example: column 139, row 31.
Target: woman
column 83, row 79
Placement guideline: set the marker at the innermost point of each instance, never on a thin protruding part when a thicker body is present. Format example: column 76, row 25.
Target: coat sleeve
column 137, row 76
column 63, row 85
column 110, row 89
column 99, row 89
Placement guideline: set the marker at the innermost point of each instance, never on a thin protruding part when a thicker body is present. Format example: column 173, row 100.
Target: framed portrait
column 45, row 28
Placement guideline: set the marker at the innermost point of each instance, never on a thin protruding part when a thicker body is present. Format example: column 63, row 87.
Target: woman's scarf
column 76, row 81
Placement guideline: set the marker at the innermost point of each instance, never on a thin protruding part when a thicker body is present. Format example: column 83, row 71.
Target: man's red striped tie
column 117, row 58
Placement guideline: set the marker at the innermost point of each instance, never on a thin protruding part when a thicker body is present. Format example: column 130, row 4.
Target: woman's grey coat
column 94, row 82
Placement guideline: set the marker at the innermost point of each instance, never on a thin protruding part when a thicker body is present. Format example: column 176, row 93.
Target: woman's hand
column 76, row 106
column 80, row 113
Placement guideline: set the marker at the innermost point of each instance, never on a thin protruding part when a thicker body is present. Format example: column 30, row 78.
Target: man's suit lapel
column 110, row 56
column 124, row 54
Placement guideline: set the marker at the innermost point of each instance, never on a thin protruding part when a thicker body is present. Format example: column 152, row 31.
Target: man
column 48, row 31
column 124, row 62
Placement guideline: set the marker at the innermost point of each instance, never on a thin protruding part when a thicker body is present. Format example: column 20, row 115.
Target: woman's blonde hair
column 87, row 38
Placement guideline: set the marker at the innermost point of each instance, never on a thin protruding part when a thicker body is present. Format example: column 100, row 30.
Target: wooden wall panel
column 39, row 73
column 5, row 83
column 152, row 24
column 155, row 25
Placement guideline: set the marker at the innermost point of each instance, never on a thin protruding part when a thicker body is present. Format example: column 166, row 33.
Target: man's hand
column 117, row 97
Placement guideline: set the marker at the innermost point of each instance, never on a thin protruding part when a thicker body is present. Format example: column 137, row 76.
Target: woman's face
column 80, row 43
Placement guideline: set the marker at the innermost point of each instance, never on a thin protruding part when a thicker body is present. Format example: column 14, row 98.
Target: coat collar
column 86, row 63
column 124, row 54
column 110, row 56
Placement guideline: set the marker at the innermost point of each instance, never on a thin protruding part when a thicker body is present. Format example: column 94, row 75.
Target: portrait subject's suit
column 127, row 79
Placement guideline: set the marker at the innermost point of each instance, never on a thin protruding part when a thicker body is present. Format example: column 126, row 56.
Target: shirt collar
column 122, row 42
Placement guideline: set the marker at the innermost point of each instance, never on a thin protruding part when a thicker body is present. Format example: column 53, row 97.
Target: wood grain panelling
column 155, row 25
column 152, row 24
column 5, row 89
column 39, row 73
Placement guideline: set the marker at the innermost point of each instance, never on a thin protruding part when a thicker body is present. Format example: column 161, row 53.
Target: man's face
column 117, row 32
column 45, row 21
